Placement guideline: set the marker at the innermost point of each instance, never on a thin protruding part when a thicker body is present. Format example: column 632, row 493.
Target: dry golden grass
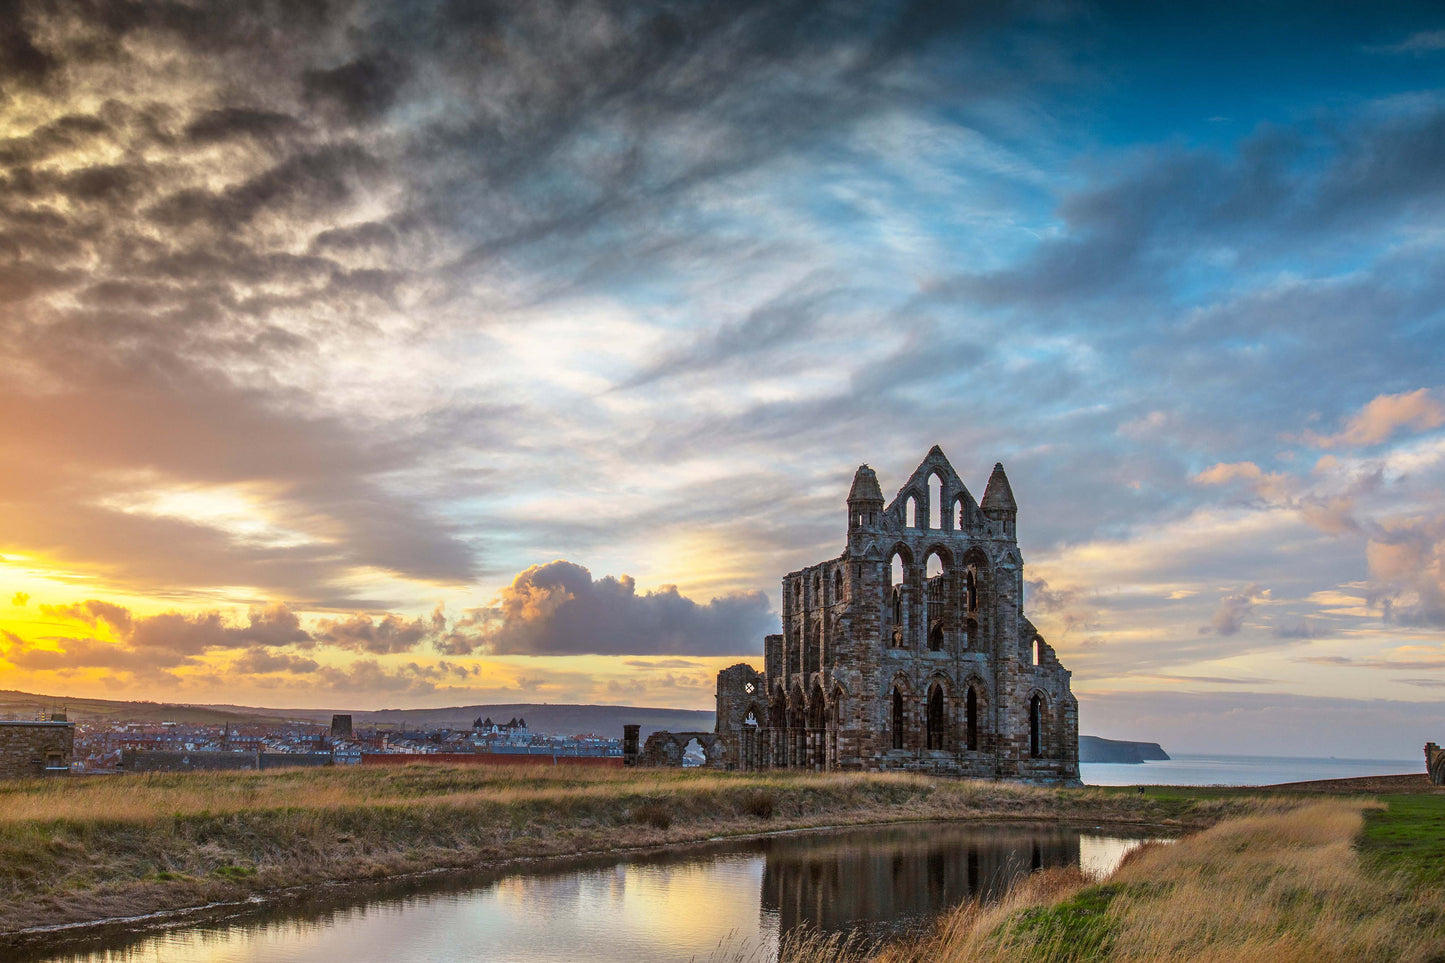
column 1280, row 886
column 145, row 798
column 78, row 849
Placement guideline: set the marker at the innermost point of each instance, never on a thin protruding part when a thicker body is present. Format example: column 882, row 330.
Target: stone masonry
column 909, row 651
column 35, row 748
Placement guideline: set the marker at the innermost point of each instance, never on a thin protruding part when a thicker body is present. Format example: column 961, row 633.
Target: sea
column 1206, row 770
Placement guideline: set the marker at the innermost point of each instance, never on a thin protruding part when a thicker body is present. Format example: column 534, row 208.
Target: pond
column 740, row 895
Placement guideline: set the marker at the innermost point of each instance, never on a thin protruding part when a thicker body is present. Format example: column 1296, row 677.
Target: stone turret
column 998, row 501
column 865, row 500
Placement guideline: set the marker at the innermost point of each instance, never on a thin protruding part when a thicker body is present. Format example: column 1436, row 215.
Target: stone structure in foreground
column 909, row 651
column 1435, row 763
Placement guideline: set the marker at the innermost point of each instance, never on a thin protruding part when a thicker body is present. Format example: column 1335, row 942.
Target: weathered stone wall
column 937, row 670
column 1435, row 763
column 666, row 749
column 35, row 748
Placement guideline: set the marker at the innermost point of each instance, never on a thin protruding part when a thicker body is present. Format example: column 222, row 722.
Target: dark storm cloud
column 21, row 62
column 229, row 123
column 361, row 89
column 559, row 609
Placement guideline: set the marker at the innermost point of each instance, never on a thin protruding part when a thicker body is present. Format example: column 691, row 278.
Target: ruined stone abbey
column 909, row 651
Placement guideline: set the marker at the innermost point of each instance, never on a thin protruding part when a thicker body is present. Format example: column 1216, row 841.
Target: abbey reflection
column 892, row 875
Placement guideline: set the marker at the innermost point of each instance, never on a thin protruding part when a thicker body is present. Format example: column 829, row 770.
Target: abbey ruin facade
column 908, row 651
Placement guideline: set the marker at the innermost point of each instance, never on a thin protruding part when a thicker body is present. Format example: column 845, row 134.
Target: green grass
column 1076, row 929
column 1408, row 837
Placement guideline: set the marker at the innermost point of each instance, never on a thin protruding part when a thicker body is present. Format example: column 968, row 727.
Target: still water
column 1201, row 770
column 740, row 895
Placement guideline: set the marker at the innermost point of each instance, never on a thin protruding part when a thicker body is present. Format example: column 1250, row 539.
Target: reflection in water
column 667, row 908
column 902, row 877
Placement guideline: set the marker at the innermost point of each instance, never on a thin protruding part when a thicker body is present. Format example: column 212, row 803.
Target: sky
column 415, row 354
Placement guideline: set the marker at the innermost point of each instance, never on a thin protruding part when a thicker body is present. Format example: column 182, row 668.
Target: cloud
column 94, row 612
column 19, row 599
column 77, row 655
column 1406, row 557
column 1270, row 486
column 390, row 633
column 372, row 678
column 1382, row 417
column 1423, row 42
column 206, row 210
column 1302, row 628
column 362, row 88
column 259, row 661
column 557, row 609
column 188, row 633
column 333, row 305
column 1233, row 609
column 788, row 318
column 1435, row 662
column 663, row 663
column 1074, row 606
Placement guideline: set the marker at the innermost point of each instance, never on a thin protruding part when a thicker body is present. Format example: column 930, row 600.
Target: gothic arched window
column 897, row 719
column 937, row 719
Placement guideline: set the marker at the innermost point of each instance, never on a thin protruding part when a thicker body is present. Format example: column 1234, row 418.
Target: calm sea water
column 1200, row 770
column 725, row 902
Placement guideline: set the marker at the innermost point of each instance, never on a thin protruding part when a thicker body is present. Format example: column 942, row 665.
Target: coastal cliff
column 1095, row 749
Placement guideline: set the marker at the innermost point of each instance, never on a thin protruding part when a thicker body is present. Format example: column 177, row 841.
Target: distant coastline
column 1093, row 749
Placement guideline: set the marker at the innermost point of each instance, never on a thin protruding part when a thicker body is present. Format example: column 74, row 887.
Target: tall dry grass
column 78, row 849
column 144, row 798
column 1285, row 886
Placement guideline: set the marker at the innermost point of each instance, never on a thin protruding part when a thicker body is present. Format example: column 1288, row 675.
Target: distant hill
column 541, row 717
column 1095, row 749
column 28, row 705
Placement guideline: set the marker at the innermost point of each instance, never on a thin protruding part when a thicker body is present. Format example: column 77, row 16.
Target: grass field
column 1407, row 837
column 83, row 849
column 1271, row 876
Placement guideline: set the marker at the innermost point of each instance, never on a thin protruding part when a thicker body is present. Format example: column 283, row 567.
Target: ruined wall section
column 978, row 691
